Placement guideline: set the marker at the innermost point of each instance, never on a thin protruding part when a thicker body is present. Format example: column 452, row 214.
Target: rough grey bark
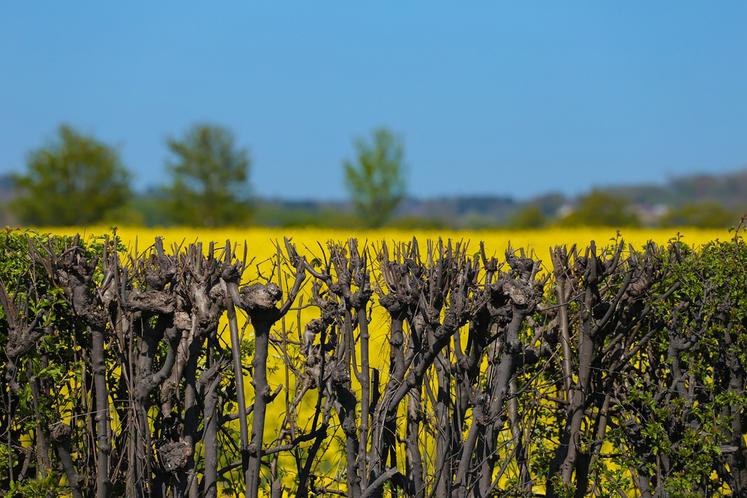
column 231, row 295
column 101, row 404
column 209, row 382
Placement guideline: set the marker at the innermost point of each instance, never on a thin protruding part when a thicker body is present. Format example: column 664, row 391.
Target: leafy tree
column 703, row 214
column 529, row 216
column 272, row 215
column 419, row 223
column 209, row 178
column 602, row 209
column 376, row 179
column 74, row 180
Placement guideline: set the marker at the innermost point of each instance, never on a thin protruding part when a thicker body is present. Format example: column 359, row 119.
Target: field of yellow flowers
column 261, row 240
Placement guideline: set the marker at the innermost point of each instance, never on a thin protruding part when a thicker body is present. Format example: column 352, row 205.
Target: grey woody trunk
column 261, row 397
column 101, row 404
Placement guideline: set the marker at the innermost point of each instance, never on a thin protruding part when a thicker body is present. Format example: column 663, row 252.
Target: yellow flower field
column 260, row 240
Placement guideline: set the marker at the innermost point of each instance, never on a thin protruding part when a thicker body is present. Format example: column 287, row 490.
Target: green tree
column 602, row 209
column 210, row 178
column 376, row 179
column 528, row 216
column 702, row 214
column 73, row 180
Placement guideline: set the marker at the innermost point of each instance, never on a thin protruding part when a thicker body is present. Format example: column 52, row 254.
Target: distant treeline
column 604, row 371
column 78, row 180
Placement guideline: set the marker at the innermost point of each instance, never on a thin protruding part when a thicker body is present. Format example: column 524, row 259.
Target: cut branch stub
column 22, row 336
column 260, row 300
column 153, row 301
column 174, row 455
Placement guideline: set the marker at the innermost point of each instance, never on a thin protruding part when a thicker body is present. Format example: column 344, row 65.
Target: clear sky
column 507, row 98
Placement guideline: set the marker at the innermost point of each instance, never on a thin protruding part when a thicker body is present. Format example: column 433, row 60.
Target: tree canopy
column 375, row 180
column 73, row 180
column 209, row 178
column 702, row 214
column 529, row 216
column 602, row 209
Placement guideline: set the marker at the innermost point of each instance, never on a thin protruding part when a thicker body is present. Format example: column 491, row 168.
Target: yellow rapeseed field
column 260, row 240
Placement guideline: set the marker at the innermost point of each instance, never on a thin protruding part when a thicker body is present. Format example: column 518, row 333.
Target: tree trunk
column 261, row 397
column 103, row 431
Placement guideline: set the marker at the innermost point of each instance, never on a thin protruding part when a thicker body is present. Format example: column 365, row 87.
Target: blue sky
column 490, row 97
